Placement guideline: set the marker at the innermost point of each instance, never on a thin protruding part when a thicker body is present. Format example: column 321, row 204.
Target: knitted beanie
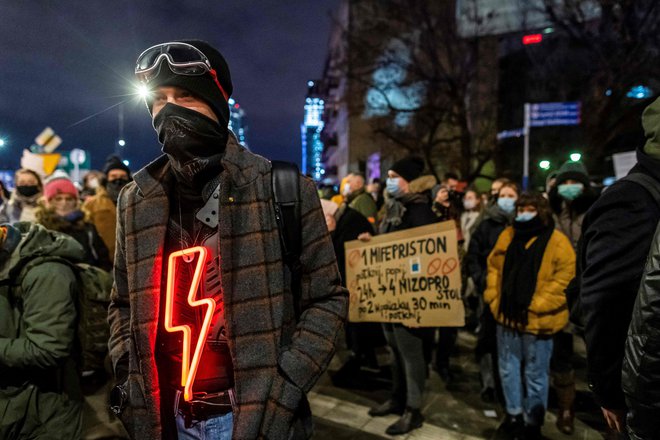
column 59, row 185
column 115, row 163
column 571, row 170
column 410, row 168
column 203, row 86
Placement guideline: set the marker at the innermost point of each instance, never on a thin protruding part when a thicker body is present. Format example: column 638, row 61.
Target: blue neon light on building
column 238, row 122
column 310, row 131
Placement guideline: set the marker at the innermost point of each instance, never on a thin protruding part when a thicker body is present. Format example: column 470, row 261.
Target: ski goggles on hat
column 182, row 58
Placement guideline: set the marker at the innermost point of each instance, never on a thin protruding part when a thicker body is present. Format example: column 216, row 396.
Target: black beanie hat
column 573, row 171
column 410, row 168
column 204, row 86
column 115, row 163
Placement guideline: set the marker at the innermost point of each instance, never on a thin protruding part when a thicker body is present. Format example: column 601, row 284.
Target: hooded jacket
column 616, row 237
column 418, row 210
column 37, row 364
column 276, row 359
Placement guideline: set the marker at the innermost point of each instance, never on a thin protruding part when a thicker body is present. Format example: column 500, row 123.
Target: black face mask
column 27, row 190
column 114, row 187
column 193, row 142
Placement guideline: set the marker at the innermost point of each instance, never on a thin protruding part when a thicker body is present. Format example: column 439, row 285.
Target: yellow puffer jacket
column 548, row 311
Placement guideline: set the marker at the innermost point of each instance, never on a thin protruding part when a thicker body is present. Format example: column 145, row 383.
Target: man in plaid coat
column 257, row 359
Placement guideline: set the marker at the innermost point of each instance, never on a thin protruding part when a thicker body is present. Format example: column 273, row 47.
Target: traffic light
column 544, row 165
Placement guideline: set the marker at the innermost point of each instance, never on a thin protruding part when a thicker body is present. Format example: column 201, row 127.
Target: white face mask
column 469, row 204
column 93, row 183
column 346, row 190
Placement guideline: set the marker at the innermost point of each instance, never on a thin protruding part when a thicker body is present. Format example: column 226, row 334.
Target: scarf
column 521, row 267
column 194, row 144
column 396, row 208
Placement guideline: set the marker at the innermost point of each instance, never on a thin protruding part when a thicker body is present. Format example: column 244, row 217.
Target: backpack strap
column 286, row 202
column 649, row 183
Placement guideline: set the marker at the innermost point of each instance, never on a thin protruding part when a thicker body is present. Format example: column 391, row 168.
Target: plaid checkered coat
column 276, row 360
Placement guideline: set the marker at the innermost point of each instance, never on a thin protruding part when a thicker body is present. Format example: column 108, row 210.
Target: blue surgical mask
column 393, row 186
column 570, row 191
column 507, row 204
column 525, row 216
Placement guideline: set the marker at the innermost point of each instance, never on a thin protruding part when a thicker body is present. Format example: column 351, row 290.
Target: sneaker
column 411, row 419
column 390, row 406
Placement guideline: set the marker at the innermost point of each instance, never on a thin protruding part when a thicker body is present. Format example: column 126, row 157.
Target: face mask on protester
column 27, row 190
column 570, row 191
column 193, row 142
column 93, row 183
column 525, row 216
column 114, row 187
column 393, row 186
column 507, row 204
column 469, row 204
column 346, row 190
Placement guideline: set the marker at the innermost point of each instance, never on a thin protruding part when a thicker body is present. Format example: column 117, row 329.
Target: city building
column 238, row 122
column 310, row 131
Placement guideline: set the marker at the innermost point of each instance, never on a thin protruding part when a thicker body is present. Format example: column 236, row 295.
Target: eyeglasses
column 182, row 58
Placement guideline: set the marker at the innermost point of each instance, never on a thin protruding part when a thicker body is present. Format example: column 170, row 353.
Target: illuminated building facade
column 238, row 122
column 310, row 130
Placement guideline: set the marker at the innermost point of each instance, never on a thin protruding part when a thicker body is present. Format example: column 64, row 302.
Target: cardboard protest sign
column 411, row 277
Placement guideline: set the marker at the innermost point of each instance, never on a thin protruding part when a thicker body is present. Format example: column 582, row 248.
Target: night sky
column 62, row 62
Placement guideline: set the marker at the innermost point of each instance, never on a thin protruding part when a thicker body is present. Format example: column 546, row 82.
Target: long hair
column 33, row 173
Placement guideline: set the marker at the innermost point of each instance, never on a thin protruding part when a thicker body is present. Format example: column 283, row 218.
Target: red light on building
column 532, row 39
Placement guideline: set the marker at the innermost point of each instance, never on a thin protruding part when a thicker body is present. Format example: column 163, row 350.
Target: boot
column 411, row 419
column 512, row 427
column 565, row 386
column 388, row 407
column 532, row 432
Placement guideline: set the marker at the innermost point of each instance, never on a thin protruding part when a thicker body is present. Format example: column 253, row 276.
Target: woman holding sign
column 408, row 206
column 528, row 271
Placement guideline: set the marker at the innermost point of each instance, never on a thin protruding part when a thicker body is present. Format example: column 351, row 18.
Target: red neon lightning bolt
column 188, row 368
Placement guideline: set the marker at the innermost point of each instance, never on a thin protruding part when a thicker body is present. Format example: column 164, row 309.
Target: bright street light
column 575, row 157
column 2, row 142
column 126, row 162
column 544, row 165
column 121, row 142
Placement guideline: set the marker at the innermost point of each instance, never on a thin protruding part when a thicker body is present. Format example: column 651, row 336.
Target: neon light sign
column 188, row 367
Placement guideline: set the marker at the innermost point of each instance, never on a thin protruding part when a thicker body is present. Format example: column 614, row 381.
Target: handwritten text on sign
column 410, row 277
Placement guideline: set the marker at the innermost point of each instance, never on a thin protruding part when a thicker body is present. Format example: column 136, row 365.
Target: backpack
column 286, row 202
column 93, row 299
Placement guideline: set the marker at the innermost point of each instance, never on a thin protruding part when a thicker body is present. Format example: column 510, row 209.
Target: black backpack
column 286, row 202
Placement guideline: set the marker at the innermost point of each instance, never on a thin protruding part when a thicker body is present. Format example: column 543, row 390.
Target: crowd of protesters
column 528, row 261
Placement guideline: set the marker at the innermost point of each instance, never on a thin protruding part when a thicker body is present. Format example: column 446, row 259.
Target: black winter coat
column 349, row 226
column 616, row 236
column 641, row 364
column 482, row 242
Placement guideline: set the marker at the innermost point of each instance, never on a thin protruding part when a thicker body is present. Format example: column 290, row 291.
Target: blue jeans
column 216, row 428
column 514, row 350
